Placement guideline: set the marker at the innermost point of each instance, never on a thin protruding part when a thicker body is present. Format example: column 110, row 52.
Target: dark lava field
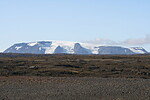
column 61, row 65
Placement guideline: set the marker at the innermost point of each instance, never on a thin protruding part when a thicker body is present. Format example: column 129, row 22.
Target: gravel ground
column 73, row 88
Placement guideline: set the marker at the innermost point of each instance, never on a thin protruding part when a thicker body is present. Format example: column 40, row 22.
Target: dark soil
column 74, row 77
column 105, row 66
column 73, row 88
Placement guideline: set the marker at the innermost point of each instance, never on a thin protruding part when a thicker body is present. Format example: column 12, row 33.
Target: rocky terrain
column 73, row 88
column 74, row 77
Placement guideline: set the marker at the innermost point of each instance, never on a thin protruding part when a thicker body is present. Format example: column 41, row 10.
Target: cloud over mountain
column 137, row 41
column 131, row 42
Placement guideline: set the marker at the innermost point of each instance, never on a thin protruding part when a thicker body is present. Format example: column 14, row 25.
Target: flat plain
column 74, row 77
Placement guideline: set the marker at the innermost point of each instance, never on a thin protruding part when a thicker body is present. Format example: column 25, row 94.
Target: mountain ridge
column 51, row 47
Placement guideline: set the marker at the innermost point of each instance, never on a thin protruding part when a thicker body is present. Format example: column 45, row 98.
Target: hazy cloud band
column 130, row 42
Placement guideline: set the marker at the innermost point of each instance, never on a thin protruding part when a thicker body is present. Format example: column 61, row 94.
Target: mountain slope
column 78, row 49
column 33, row 47
column 50, row 47
column 138, row 50
column 114, row 50
column 60, row 50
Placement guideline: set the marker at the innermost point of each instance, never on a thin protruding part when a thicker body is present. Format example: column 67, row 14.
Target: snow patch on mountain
column 32, row 43
column 94, row 48
column 138, row 50
column 64, row 44
column 17, row 47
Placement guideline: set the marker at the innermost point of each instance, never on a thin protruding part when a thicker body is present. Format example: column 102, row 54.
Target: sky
column 116, row 22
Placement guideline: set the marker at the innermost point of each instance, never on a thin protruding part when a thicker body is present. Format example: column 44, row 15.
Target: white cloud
column 138, row 41
column 130, row 42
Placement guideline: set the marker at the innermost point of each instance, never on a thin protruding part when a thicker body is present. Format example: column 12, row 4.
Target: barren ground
column 74, row 77
column 73, row 88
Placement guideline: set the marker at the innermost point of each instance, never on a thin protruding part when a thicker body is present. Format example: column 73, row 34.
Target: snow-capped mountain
column 50, row 47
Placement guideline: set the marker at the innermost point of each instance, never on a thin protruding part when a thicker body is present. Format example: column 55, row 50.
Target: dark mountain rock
column 114, row 50
column 78, row 49
column 60, row 50
column 37, row 48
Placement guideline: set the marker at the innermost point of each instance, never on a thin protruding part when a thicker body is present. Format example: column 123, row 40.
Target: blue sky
column 126, row 22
